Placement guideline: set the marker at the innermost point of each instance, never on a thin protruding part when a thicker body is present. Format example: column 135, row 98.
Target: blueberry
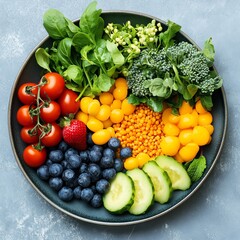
column 96, row 147
column 109, row 173
column 96, row 201
column 102, row 186
column 77, row 192
column 68, row 175
column 55, row 183
column 106, row 162
column 63, row 146
column 84, row 180
column 87, row 194
column 43, row 172
column 74, row 160
column 55, row 170
column 83, row 168
column 95, row 171
column 114, row 143
column 65, row 194
column 49, row 162
column 65, row 164
column 73, row 183
column 70, row 152
column 108, row 152
column 93, row 187
column 118, row 164
column 94, row 156
column 56, row 155
column 89, row 139
column 125, row 152
column 84, row 156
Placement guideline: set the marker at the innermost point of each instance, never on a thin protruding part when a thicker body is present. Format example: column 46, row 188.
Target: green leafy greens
column 87, row 61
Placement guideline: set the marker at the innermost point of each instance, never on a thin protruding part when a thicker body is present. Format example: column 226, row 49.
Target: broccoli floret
column 208, row 86
column 150, row 64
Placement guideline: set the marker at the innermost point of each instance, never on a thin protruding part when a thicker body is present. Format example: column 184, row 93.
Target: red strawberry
column 75, row 134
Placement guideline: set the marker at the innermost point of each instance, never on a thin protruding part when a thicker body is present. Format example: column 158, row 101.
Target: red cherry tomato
column 27, row 137
column 68, row 103
column 51, row 112
column 34, row 157
column 23, row 116
column 54, row 86
column 53, row 137
column 27, row 96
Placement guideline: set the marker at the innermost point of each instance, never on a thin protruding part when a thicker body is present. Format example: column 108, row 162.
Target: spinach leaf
column 117, row 57
column 43, row 58
column 64, row 52
column 90, row 22
column 55, row 24
column 155, row 103
column 104, row 82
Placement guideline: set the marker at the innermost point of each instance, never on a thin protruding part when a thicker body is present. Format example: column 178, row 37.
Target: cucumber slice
column 175, row 170
column 120, row 195
column 161, row 181
column 144, row 192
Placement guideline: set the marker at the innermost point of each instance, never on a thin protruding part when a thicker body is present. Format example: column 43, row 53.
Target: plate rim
column 225, row 105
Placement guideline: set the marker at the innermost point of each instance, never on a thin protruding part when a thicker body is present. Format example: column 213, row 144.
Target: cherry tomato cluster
column 44, row 103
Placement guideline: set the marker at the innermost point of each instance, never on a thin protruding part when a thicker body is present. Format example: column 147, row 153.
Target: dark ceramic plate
column 78, row 209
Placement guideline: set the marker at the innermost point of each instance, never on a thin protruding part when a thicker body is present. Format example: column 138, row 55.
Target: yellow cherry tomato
column 82, row 117
column 171, row 129
column 121, row 82
column 130, row 163
column 104, row 112
column 205, row 118
column 101, row 137
column 93, row 107
column 106, row 98
column 111, row 130
column 142, row 158
column 107, row 123
column 210, row 128
column 185, row 108
column 116, row 115
column 199, row 107
column 185, row 136
column 170, row 145
column 94, row 124
column 187, row 121
column 84, row 103
column 127, row 107
column 188, row 152
column 200, row 135
column 116, row 104
column 120, row 93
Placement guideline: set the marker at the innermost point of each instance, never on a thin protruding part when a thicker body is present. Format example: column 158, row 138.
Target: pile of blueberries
column 83, row 175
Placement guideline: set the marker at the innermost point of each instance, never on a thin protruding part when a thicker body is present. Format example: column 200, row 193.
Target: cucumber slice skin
column 111, row 202
column 144, row 191
column 159, row 176
column 170, row 165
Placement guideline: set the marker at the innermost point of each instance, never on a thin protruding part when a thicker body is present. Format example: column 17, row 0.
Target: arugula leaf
column 196, row 168
column 104, row 82
column 43, row 58
column 167, row 37
column 206, row 101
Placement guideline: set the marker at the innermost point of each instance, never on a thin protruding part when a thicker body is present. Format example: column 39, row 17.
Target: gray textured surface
column 211, row 213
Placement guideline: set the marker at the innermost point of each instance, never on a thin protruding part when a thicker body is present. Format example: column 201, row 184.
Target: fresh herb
column 87, row 61
column 196, row 168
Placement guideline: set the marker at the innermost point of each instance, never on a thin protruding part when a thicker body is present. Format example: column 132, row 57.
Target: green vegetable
column 161, row 181
column 144, row 191
column 196, row 168
column 120, row 196
column 88, row 62
column 175, row 170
